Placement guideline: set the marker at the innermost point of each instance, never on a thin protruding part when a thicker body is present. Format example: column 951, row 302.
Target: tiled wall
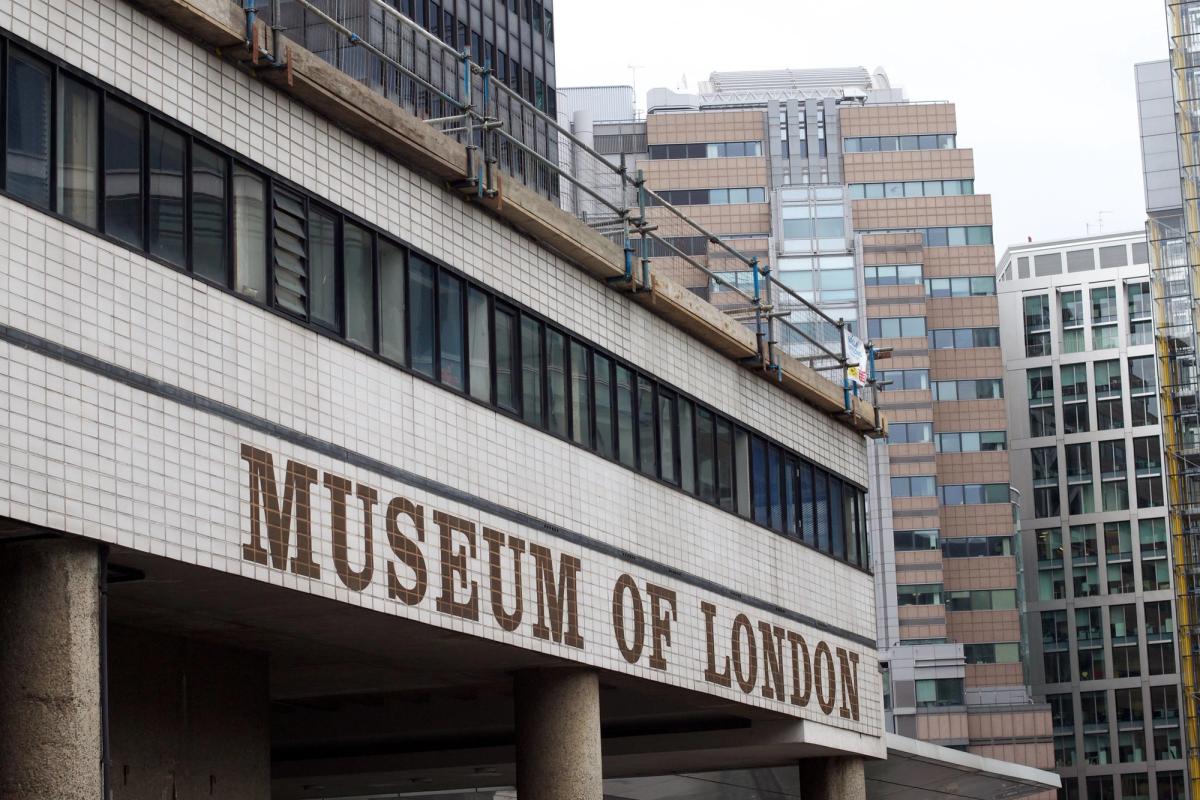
column 90, row 454
column 897, row 120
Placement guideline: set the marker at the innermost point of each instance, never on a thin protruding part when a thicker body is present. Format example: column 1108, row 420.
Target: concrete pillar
column 190, row 719
column 833, row 778
column 50, row 670
column 558, row 735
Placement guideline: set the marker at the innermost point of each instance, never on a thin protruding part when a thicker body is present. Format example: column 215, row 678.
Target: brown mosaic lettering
column 822, row 669
column 554, row 601
column 631, row 652
column 264, row 499
column 495, row 542
column 454, row 565
column 407, row 551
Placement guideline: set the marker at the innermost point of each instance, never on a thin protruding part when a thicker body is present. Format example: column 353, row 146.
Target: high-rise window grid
column 885, row 144
column 1140, row 304
column 898, row 189
column 1074, row 379
column 1037, row 325
column 705, row 150
column 971, row 442
column 1040, row 384
column 1104, row 317
column 1080, row 489
column 1109, row 405
column 1074, row 338
column 1143, row 391
column 1114, row 487
column 1118, row 557
column 1147, row 467
column 893, row 275
column 972, row 286
column 1045, row 481
column 1152, row 546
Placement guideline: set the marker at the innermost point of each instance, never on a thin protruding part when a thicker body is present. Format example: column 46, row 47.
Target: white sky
column 1044, row 88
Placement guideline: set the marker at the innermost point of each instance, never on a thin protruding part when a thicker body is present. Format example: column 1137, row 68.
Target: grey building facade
column 1077, row 334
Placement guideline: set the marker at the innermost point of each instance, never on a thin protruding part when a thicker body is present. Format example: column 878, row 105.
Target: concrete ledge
column 221, row 25
column 916, row 770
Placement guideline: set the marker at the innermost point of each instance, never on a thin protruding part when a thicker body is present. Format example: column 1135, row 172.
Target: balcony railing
column 504, row 134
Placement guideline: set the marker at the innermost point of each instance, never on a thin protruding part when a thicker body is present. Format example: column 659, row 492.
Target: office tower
column 864, row 203
column 514, row 38
column 1085, row 445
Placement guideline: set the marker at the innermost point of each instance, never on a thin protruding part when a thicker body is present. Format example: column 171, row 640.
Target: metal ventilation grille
column 291, row 267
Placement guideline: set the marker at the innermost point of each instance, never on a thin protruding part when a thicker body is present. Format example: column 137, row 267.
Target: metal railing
column 508, row 135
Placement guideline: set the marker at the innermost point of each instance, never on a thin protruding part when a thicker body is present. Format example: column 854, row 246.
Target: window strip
column 686, row 444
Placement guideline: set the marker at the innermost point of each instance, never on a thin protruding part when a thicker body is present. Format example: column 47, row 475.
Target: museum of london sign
column 417, row 555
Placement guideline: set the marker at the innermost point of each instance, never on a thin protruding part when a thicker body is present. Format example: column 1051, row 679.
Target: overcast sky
column 1044, row 88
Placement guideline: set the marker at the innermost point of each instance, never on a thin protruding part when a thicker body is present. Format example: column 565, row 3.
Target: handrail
column 557, row 153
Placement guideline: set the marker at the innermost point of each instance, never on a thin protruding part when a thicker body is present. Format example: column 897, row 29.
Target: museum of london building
column 319, row 480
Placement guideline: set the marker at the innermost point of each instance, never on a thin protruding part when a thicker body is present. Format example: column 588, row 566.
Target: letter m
column 554, row 601
column 297, row 505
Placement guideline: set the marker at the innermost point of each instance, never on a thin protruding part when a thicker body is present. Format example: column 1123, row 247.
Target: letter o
column 631, row 652
column 820, row 656
column 746, row 681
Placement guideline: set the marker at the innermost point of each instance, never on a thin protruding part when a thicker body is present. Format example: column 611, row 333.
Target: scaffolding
column 509, row 132
column 1175, row 259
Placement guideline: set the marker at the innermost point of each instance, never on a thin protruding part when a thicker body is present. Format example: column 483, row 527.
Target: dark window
column 837, row 530
column 808, row 525
column 291, row 266
column 78, row 152
column 360, row 284
column 774, row 487
column 421, row 330
column 531, row 371
column 687, row 443
column 450, row 330
column 479, row 344
column 821, row 502
column 556, row 381
column 706, row 455
column 581, row 427
column 725, row 465
column 209, row 241
column 392, row 334
column 790, row 517
column 666, row 435
column 167, row 154
column 506, row 357
column 741, row 471
column 28, row 150
column 647, row 460
column 625, row 428
column 603, row 404
column 760, row 490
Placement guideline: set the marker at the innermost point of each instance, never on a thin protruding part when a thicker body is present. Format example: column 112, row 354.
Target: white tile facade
column 87, row 454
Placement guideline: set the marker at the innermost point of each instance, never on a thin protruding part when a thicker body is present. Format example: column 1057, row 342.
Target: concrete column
column 558, row 735
column 50, row 670
column 833, row 778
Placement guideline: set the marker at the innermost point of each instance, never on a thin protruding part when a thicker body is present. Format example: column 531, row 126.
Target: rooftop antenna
column 1099, row 223
column 633, row 68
